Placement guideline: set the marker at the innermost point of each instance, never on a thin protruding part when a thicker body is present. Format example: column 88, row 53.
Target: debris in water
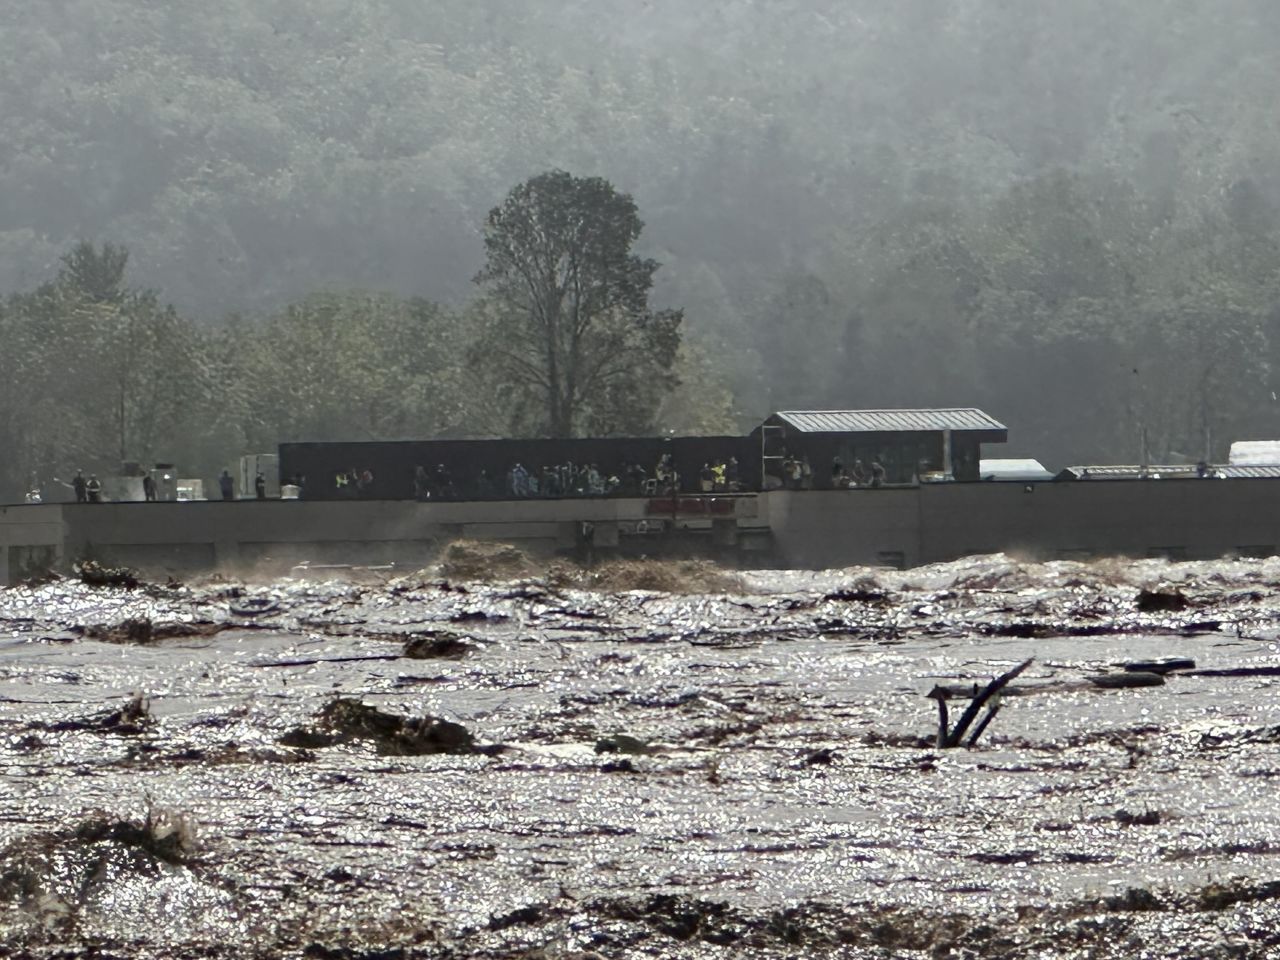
column 436, row 646
column 1153, row 601
column 349, row 719
column 254, row 607
column 482, row 560
column 952, row 738
column 141, row 630
column 622, row 743
column 1167, row 665
column 1127, row 680
column 129, row 720
column 96, row 575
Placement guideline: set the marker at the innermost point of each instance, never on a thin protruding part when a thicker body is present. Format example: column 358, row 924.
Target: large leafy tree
column 95, row 373
column 348, row 366
column 570, row 329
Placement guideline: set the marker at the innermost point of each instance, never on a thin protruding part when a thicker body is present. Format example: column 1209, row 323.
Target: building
column 909, row 444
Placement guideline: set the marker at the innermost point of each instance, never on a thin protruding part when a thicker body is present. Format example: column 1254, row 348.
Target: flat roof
column 919, row 420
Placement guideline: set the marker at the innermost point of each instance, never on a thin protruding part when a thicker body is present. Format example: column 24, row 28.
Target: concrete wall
column 895, row 527
column 274, row 535
column 837, row 528
column 31, row 540
column 1177, row 518
column 1181, row 519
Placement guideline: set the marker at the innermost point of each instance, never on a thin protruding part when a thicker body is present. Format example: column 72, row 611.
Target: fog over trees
column 1067, row 213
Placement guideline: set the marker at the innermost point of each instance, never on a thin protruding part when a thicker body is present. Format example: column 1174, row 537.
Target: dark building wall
column 1179, row 519
column 393, row 463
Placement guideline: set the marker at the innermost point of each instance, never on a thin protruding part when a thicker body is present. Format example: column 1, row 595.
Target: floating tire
column 255, row 607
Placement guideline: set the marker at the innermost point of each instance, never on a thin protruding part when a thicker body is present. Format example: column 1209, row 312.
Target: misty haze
column 509, row 479
column 1063, row 213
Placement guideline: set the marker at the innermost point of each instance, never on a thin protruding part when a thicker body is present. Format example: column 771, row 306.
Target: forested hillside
column 1067, row 213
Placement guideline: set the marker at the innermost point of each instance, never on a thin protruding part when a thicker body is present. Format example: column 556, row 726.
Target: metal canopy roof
column 888, row 421
column 1178, row 471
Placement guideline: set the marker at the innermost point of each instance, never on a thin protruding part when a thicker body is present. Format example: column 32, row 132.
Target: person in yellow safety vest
column 717, row 476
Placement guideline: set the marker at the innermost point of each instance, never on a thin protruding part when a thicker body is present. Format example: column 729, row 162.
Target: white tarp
column 1013, row 469
column 1254, row 453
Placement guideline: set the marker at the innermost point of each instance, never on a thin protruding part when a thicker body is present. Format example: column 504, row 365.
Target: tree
column 570, row 328
column 97, row 274
column 349, row 366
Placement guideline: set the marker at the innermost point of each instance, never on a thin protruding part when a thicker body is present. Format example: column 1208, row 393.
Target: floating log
column 952, row 738
column 1268, row 671
column 1167, row 665
column 1112, row 681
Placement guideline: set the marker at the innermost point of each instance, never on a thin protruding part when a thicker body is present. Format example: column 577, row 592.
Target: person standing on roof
column 877, row 474
column 839, row 479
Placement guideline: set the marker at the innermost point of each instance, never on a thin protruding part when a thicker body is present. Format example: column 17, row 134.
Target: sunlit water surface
column 788, row 763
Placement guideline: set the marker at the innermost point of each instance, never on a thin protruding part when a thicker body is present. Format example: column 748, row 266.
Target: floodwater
column 743, row 768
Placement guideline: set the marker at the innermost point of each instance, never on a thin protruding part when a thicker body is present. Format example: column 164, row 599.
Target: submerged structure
column 365, row 503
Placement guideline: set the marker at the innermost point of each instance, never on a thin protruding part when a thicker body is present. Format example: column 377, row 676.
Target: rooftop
column 889, row 421
column 1175, row 471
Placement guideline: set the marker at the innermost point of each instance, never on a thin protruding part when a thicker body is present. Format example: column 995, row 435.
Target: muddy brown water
column 777, row 792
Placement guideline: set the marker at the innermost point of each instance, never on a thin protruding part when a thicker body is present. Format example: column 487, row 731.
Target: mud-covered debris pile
column 50, row 877
column 132, row 718
column 479, row 560
column 142, row 630
column 1153, row 601
column 436, row 646
column 344, row 719
column 96, row 575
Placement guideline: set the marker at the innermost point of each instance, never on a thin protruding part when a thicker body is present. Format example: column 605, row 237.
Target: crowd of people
column 857, row 475
column 571, row 479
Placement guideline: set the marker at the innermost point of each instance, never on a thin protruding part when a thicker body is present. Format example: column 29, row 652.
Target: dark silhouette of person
column 260, row 486
column 877, row 474
column 838, row 476
column 227, row 486
column 80, row 485
column 148, row 488
column 443, row 480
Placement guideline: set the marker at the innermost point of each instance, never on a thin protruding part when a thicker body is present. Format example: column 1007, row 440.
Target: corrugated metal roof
column 1238, row 471
column 1180, row 471
column 888, row 421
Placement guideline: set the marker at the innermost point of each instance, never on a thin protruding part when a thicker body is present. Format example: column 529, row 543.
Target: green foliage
column 97, row 373
column 856, row 203
column 349, row 366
